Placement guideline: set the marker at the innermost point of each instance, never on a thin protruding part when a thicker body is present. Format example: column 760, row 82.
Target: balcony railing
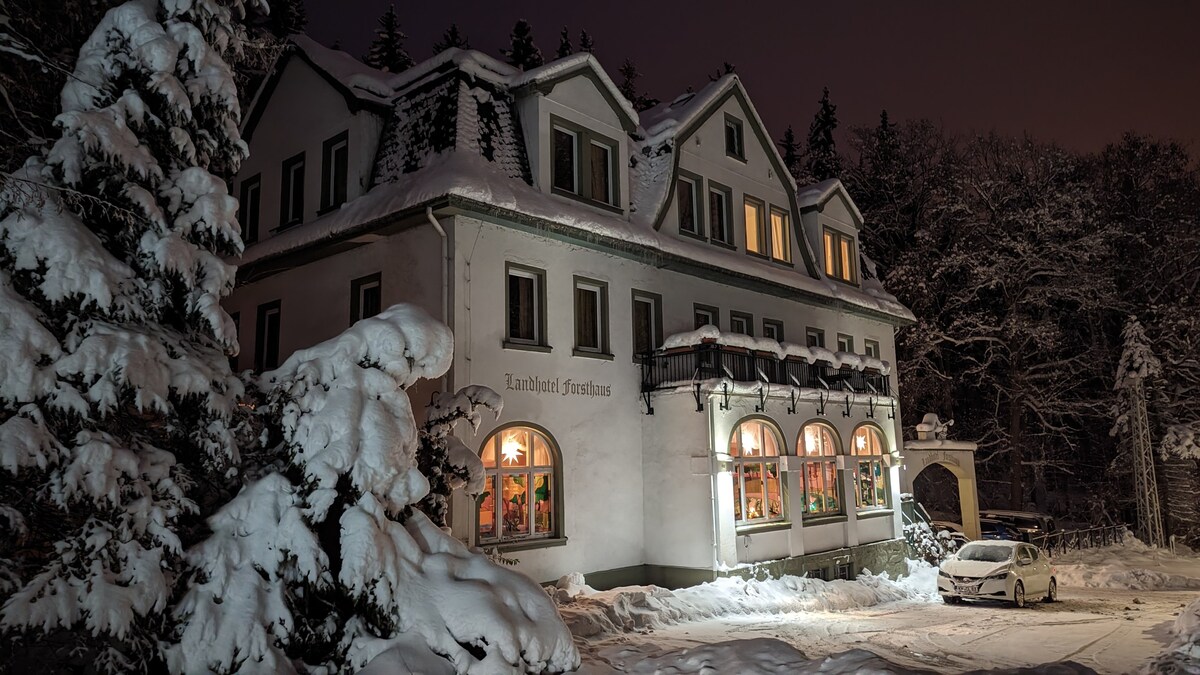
column 708, row 361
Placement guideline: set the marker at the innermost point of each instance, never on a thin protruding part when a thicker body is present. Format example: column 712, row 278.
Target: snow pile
column 1183, row 654
column 1181, row 441
column 326, row 563
column 590, row 613
column 760, row 656
column 1130, row 564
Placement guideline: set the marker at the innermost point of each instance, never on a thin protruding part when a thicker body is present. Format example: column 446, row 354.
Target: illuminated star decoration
column 511, row 450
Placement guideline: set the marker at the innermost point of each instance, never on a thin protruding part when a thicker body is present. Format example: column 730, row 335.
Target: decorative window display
column 818, row 447
column 757, row 484
column 870, row 475
column 518, row 501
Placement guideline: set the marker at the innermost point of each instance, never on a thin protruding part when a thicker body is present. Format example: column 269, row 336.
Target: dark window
column 685, row 192
column 334, row 159
column 734, row 146
column 237, row 329
column 248, row 208
column 291, row 206
column 590, row 315
column 565, row 167
column 526, row 292
column 647, row 322
column 365, row 297
column 773, row 329
column 601, row 157
column 844, row 570
column 707, row 316
column 740, row 323
column 814, row 337
column 266, row 354
column 845, row 343
column 871, row 348
column 718, row 215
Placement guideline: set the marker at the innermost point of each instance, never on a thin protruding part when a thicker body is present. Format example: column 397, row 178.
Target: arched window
column 870, row 476
column 520, row 499
column 818, row 447
column 757, row 493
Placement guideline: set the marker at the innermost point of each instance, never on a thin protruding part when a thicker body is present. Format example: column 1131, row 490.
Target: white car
column 997, row 570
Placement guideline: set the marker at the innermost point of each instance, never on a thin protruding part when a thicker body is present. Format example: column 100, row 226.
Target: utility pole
column 1145, row 486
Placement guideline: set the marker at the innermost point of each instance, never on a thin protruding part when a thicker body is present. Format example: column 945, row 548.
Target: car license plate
column 967, row 589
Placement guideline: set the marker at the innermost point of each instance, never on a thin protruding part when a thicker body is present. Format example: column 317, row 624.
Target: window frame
column 726, row 194
column 738, row 474
column 871, row 348
column 830, row 462
column 250, row 225
column 831, row 241
column 540, row 341
column 698, row 204
column 260, row 335
column 236, row 317
column 585, row 138
column 556, row 535
column 329, row 196
column 747, row 201
column 357, row 286
column 710, row 310
column 845, row 343
column 777, row 325
column 739, row 128
column 287, row 198
column 878, row 467
column 811, row 332
column 602, row 349
column 656, row 320
column 786, row 218
column 745, row 318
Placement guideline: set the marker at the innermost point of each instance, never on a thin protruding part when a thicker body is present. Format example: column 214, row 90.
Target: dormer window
column 334, row 161
column 781, row 237
column 735, row 145
column 840, row 257
column 584, row 164
column 687, row 195
column 291, row 206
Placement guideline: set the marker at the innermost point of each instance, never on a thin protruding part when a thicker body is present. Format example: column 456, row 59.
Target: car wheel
column 1052, row 591
column 1019, row 594
column 951, row 599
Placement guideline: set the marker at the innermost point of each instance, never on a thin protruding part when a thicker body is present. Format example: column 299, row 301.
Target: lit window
column 365, row 297
column 591, row 316
column 647, row 322
column 248, row 208
column 814, row 337
column 845, row 343
column 734, row 142
column 870, row 475
column 334, row 160
column 520, row 499
column 818, row 447
column 754, row 226
column 566, row 176
column 757, row 492
column 291, row 205
column 718, row 215
column 685, row 198
column 781, row 238
column 839, row 257
column 526, row 295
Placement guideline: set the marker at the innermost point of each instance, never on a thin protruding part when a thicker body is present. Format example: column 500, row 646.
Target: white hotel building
column 574, row 247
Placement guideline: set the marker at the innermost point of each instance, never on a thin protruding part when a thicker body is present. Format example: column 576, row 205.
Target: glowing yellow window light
column 512, row 451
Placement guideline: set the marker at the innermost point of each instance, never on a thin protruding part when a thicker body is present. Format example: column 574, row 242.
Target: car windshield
column 985, row 553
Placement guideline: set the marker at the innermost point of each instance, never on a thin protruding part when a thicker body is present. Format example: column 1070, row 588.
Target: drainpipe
column 445, row 264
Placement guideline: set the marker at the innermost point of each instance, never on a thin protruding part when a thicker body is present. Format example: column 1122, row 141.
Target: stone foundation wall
column 884, row 556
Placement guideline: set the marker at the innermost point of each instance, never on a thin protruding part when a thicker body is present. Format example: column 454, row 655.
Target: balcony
column 710, row 360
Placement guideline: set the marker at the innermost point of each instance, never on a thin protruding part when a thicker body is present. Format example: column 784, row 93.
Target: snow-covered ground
column 1123, row 609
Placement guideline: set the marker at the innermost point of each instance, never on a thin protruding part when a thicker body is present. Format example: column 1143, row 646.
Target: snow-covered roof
column 814, row 197
column 359, row 79
column 569, row 66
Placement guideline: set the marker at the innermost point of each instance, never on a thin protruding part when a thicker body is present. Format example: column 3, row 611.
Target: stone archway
column 932, row 447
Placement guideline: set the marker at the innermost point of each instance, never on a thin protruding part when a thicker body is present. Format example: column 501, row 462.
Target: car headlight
column 942, row 573
column 997, row 577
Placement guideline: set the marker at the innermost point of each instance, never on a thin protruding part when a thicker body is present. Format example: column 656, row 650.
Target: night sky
column 1073, row 72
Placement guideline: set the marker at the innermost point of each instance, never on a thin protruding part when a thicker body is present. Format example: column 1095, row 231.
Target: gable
column 278, row 115
column 584, row 94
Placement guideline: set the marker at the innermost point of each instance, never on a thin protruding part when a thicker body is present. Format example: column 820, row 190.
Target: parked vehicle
column 998, row 570
column 1028, row 523
column 990, row 528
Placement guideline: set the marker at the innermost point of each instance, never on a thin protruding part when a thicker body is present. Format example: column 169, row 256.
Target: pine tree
column 822, row 158
column 387, row 50
column 726, row 68
column 564, row 44
column 115, row 389
column 586, row 44
column 629, row 89
column 791, row 152
column 522, row 52
column 451, row 38
column 445, row 460
column 287, row 17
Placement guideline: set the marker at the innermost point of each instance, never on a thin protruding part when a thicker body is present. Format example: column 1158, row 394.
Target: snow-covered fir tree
column 442, row 457
column 791, row 152
column 564, row 44
column 629, row 87
column 287, row 17
column 522, row 52
column 451, row 38
column 586, row 43
column 822, row 161
column 115, row 389
column 322, row 560
column 387, row 49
